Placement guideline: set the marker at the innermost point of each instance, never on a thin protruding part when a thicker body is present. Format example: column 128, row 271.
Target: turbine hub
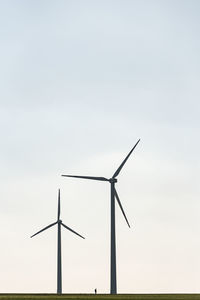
column 113, row 180
column 59, row 221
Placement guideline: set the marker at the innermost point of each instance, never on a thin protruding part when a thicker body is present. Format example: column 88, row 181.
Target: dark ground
column 99, row 296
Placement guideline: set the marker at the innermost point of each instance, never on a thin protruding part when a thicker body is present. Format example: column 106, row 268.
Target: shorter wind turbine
column 59, row 264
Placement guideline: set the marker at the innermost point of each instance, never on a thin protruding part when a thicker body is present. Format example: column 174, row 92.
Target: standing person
column 95, row 291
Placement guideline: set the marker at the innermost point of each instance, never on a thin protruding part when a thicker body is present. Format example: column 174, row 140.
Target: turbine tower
column 114, row 195
column 59, row 263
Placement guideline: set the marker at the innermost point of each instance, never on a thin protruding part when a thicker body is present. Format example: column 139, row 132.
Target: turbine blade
column 120, row 205
column 87, row 177
column 72, row 230
column 58, row 204
column 44, row 229
column 124, row 161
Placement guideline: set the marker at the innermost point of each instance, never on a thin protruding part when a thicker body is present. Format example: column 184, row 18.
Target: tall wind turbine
column 114, row 195
column 59, row 264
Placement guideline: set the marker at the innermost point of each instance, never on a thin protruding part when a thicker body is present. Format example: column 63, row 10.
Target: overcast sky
column 81, row 82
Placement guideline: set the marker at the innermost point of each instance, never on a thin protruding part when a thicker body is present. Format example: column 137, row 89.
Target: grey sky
column 81, row 81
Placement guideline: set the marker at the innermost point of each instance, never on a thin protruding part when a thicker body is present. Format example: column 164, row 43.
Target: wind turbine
column 114, row 195
column 59, row 265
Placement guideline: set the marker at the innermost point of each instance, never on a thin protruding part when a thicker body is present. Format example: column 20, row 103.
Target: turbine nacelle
column 112, row 180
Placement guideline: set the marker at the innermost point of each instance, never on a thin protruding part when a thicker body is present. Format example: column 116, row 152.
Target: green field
column 99, row 296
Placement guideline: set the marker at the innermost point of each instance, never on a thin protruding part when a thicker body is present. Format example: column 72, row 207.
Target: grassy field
column 99, row 296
